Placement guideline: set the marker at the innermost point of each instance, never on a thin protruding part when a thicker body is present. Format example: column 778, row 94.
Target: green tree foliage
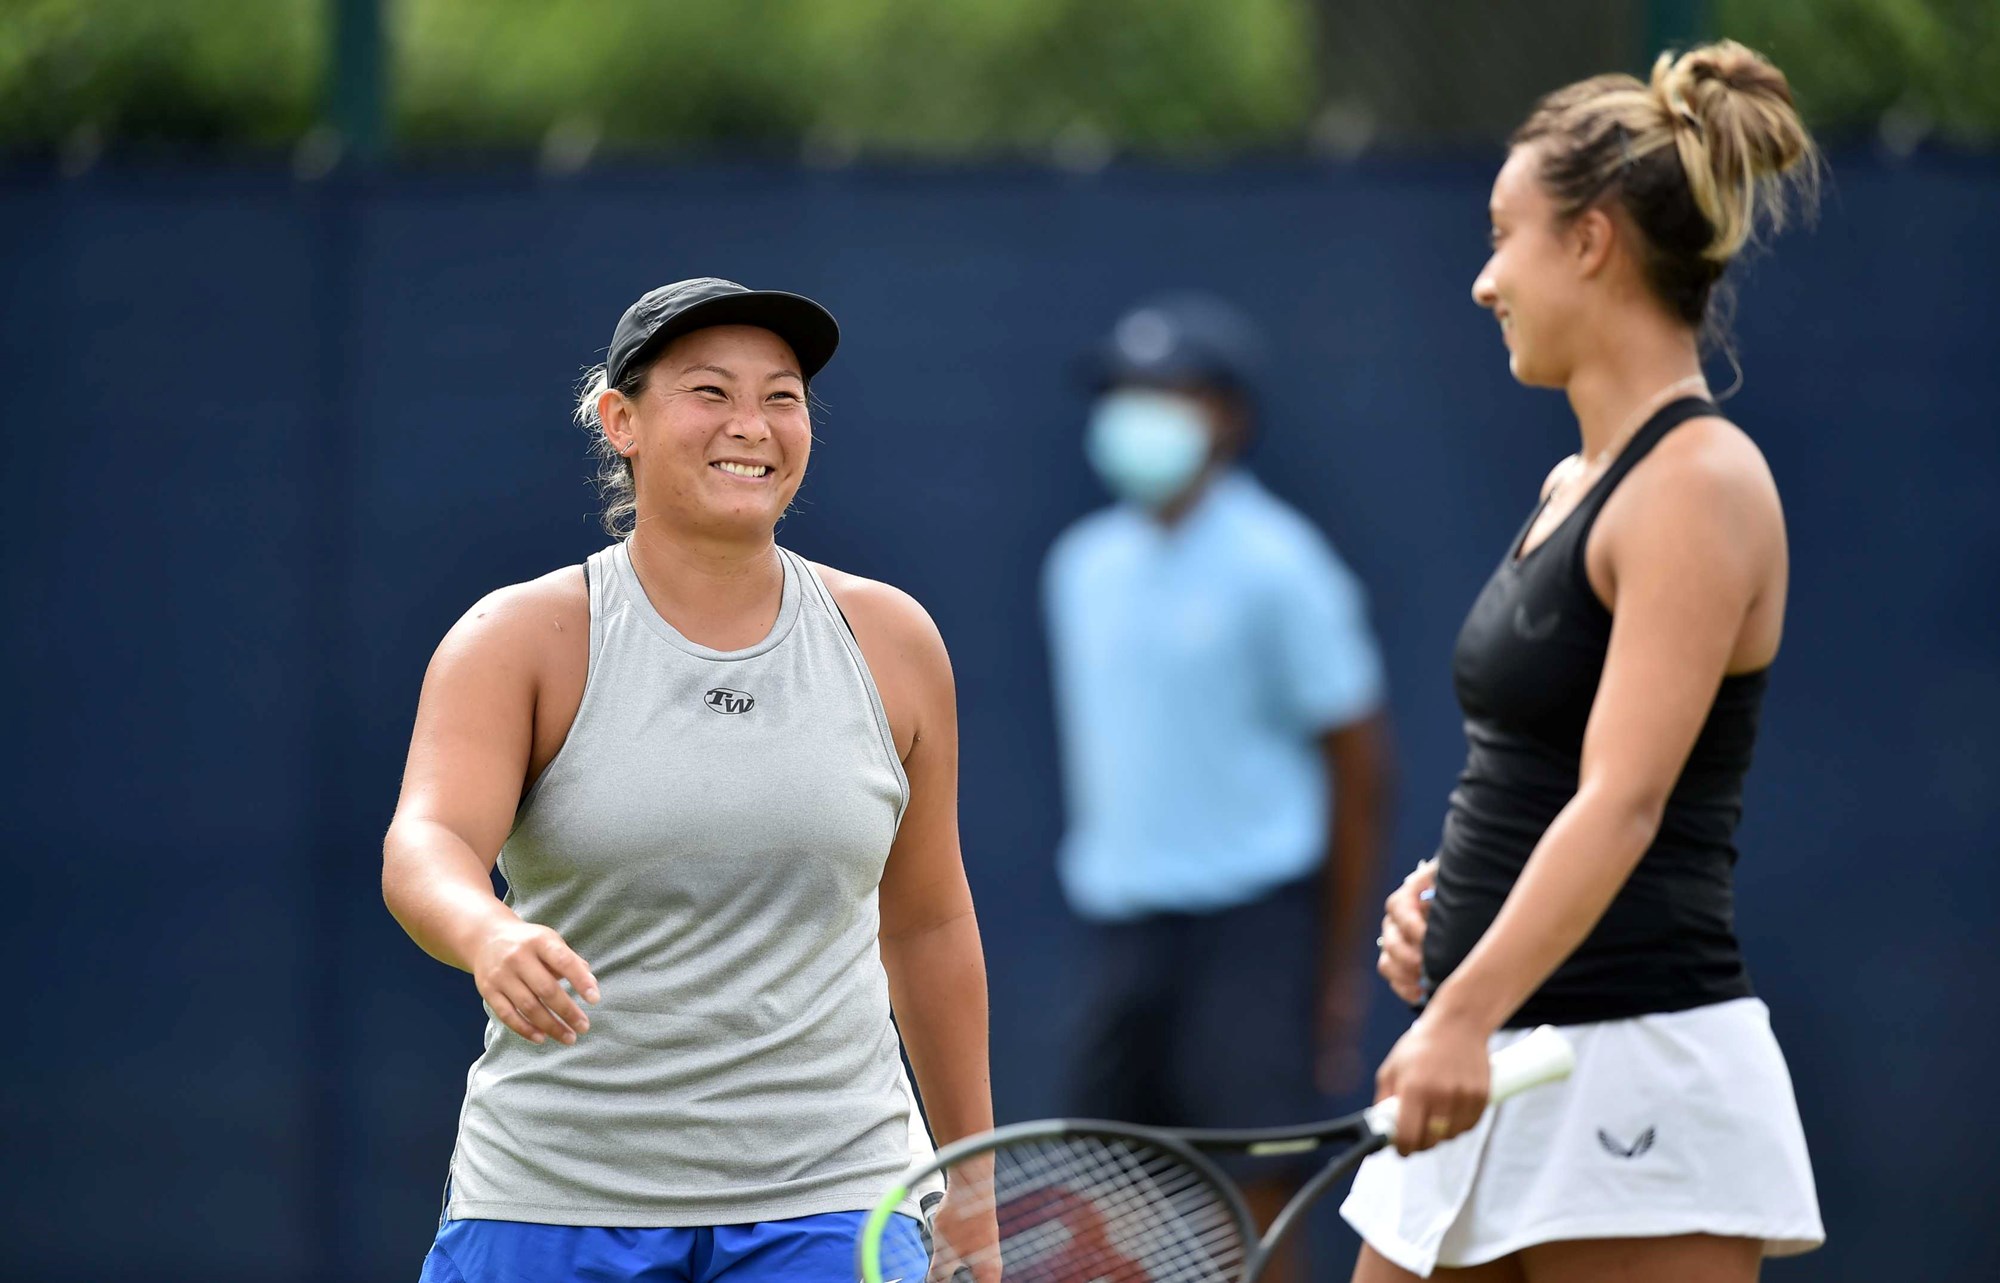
column 1924, row 63
column 183, row 73
column 836, row 77
column 906, row 75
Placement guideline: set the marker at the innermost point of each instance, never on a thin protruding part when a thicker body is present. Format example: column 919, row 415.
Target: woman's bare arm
column 929, row 935
column 1690, row 560
column 469, row 756
column 1693, row 552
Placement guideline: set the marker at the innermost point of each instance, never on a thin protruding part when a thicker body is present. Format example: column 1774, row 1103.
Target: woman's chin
column 744, row 525
column 1527, row 375
column 749, row 517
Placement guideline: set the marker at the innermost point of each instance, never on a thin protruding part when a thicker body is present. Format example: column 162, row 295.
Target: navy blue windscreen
column 266, row 440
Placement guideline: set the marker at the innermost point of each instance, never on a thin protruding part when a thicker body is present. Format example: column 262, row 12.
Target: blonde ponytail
column 615, row 486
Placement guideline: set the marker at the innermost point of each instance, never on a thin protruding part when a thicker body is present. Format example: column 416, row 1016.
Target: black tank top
column 1526, row 669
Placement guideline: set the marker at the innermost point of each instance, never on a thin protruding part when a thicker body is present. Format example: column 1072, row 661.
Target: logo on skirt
column 1636, row 1148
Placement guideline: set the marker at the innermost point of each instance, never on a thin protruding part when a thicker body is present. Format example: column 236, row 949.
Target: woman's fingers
column 1389, row 1083
column 1427, row 1117
column 1404, row 914
column 510, row 1015
column 564, row 961
column 1440, row 1081
column 1408, row 906
column 1465, row 1113
column 1401, row 963
column 1452, row 1111
column 1407, row 913
column 1405, row 951
column 521, row 972
column 529, row 1003
column 1412, row 1121
column 945, row 1265
column 1398, row 984
column 556, row 1001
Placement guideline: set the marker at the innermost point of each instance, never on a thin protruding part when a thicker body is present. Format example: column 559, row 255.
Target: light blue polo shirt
column 1195, row 667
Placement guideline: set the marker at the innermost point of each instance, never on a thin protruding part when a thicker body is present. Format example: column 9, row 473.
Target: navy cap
column 1183, row 339
column 664, row 314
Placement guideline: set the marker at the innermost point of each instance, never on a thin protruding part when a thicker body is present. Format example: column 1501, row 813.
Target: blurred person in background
column 721, row 782
column 1612, row 673
column 1219, row 701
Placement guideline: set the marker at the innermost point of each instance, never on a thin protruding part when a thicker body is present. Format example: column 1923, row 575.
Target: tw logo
column 724, row 700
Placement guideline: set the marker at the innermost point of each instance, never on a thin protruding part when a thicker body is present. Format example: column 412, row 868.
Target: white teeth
column 743, row 469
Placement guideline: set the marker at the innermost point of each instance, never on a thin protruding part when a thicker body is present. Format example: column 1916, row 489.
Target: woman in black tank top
column 1612, row 669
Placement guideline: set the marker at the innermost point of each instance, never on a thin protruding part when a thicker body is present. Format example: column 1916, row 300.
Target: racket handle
column 1544, row 1056
column 929, row 1204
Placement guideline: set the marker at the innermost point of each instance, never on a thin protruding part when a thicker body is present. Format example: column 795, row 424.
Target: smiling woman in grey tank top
column 721, row 785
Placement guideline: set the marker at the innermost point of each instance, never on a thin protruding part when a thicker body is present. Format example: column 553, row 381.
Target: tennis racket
column 1082, row 1201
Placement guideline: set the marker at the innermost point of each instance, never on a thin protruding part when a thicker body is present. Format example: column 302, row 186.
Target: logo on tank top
column 724, row 700
column 1636, row 1148
column 1535, row 629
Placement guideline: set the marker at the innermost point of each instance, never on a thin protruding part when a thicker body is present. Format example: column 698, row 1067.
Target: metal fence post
column 356, row 83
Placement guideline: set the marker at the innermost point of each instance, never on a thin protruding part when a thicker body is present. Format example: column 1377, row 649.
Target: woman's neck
column 1627, row 381
column 718, row 592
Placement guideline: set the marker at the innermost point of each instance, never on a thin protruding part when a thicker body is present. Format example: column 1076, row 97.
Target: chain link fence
column 1073, row 81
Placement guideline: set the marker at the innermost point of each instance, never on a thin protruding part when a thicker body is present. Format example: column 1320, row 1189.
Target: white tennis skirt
column 1682, row 1123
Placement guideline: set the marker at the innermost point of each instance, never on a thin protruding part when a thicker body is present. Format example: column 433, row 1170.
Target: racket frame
column 1187, row 1145
column 1543, row 1056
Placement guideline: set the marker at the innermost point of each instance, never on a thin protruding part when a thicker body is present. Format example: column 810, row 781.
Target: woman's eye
column 784, row 396
column 709, row 389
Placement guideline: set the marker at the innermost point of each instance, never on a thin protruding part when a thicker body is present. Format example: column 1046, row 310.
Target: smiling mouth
column 749, row 471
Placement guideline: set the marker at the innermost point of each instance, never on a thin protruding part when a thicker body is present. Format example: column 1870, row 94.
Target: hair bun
column 1738, row 66
column 1725, row 84
column 1736, row 130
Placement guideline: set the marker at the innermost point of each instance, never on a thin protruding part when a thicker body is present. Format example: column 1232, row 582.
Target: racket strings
column 1088, row 1209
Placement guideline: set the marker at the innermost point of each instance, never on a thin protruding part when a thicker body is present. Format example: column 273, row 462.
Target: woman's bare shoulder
column 1707, row 459
column 898, row 637
column 1705, row 482
column 880, row 608
column 534, row 619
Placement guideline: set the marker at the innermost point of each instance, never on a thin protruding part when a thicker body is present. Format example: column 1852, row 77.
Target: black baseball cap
column 1181, row 339
column 663, row 315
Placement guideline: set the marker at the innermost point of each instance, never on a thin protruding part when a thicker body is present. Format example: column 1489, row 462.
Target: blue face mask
column 1147, row 446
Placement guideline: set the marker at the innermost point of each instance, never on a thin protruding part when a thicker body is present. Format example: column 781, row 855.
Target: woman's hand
column 966, row 1229
column 1404, row 917
column 1438, row 1071
column 519, row 968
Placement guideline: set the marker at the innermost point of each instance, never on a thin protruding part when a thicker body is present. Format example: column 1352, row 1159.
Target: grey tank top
column 709, row 838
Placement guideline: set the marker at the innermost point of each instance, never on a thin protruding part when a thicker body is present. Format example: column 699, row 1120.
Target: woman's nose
column 1483, row 292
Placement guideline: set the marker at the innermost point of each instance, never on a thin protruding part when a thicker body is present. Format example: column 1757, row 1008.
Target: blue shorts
column 808, row 1249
